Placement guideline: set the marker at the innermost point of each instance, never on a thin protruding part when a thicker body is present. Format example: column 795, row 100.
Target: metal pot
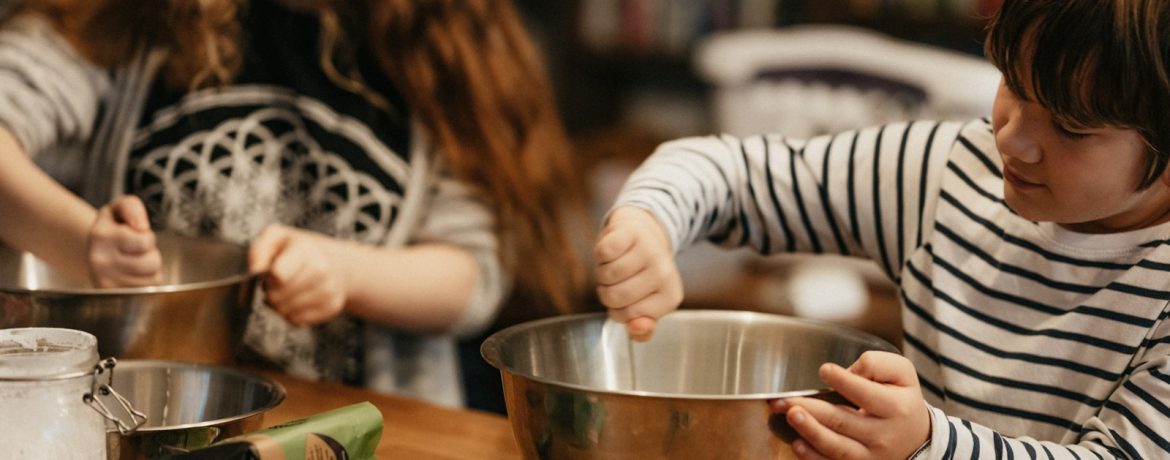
column 197, row 315
column 576, row 388
column 187, row 406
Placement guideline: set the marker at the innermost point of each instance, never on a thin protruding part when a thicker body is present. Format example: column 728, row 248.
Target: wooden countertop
column 411, row 429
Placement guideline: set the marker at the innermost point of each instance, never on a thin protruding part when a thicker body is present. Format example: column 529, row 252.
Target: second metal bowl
column 577, row 388
column 187, row 406
column 197, row 315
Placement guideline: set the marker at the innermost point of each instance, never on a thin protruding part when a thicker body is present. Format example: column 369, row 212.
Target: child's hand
column 891, row 420
column 636, row 275
column 122, row 249
column 300, row 279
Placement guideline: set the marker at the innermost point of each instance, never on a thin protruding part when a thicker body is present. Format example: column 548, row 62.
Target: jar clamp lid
column 53, row 354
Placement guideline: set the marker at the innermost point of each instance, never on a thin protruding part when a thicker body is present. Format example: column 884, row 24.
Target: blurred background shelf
column 603, row 54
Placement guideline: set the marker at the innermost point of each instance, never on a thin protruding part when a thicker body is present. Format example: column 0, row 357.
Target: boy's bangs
column 1063, row 55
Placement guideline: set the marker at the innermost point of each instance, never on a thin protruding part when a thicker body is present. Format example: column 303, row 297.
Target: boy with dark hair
column 1030, row 250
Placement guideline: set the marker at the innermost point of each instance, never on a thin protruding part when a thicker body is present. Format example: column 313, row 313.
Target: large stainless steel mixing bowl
column 576, row 388
column 196, row 315
column 187, row 406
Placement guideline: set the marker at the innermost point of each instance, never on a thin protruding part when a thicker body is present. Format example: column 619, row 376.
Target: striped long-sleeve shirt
column 1030, row 341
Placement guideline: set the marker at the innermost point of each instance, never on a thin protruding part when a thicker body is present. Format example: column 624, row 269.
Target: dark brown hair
column 467, row 68
column 1092, row 63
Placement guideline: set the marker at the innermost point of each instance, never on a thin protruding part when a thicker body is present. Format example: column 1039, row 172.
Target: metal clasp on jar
column 137, row 419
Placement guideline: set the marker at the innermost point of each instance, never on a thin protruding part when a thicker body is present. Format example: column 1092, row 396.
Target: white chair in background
column 808, row 80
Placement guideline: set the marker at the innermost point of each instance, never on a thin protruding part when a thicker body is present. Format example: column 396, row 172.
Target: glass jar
column 46, row 375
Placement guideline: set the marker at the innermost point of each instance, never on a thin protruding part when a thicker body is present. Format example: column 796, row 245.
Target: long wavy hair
column 467, row 68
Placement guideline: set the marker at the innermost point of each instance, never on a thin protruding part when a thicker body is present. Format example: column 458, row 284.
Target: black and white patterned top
column 283, row 144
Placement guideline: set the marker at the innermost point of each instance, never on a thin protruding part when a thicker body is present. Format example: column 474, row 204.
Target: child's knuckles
column 816, row 438
column 609, row 296
column 880, row 444
column 652, row 271
column 834, row 450
column 103, row 233
column 866, row 359
column 834, row 421
column 319, row 265
column 623, row 295
column 645, row 308
column 153, row 260
column 607, row 274
column 603, row 295
column 98, row 259
column 658, row 274
column 601, row 251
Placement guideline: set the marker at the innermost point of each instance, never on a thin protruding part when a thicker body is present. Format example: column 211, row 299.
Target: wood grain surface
column 412, row 429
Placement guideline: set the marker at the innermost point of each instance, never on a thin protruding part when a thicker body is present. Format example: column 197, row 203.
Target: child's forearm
column 428, row 288
column 422, row 288
column 39, row 215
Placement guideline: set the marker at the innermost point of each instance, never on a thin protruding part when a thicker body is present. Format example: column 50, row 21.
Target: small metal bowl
column 196, row 315
column 187, row 406
column 576, row 388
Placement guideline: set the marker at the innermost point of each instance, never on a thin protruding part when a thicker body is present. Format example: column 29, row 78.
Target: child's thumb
column 641, row 328
column 131, row 211
column 266, row 247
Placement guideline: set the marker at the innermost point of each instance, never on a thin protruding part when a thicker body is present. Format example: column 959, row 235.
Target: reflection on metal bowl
column 576, row 388
column 197, row 315
column 187, row 406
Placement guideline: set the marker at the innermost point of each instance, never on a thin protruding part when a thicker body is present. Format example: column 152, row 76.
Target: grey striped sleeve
column 697, row 171
column 856, row 193
column 49, row 94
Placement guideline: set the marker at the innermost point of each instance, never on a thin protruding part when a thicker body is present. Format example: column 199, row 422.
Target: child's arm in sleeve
column 1133, row 423
column 39, row 215
column 49, row 96
column 447, row 279
column 890, row 420
column 867, row 193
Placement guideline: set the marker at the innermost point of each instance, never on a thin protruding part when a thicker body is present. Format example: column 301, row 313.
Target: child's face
column 1085, row 179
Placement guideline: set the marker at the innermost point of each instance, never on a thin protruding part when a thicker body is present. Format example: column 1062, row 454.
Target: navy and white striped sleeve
column 866, row 193
column 1133, row 423
column 49, row 94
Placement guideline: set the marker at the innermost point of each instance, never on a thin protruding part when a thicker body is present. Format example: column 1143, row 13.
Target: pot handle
column 137, row 418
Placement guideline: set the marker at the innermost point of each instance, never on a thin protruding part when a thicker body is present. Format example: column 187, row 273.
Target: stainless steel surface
column 188, row 406
column 196, row 315
column 701, row 387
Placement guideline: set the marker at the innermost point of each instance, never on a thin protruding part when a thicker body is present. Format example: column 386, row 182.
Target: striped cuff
column 940, row 436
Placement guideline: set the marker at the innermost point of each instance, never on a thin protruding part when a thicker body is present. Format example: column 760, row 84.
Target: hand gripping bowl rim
column 489, row 350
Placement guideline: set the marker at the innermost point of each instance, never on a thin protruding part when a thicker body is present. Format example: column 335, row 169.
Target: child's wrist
column 920, row 451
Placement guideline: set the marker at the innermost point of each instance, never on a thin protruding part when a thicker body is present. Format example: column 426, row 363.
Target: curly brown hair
column 468, row 71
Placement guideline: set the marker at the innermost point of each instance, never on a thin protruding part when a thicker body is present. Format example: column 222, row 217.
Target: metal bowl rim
column 278, row 391
column 157, row 289
column 489, row 346
column 113, row 292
